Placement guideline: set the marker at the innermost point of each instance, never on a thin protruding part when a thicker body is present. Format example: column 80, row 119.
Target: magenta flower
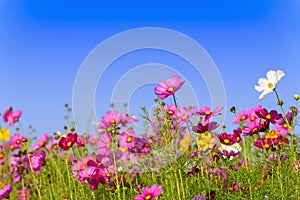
column 67, row 142
column 229, row 139
column 271, row 116
column 127, row 140
column 252, row 128
column 205, row 126
column 16, row 141
column 41, row 142
column 168, row 87
column 205, row 111
column 4, row 193
column 23, row 194
column 241, row 117
column 150, row 193
column 170, row 110
column 35, row 161
column 11, row 117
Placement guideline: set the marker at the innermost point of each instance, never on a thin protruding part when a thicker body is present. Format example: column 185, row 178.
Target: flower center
column 41, row 143
column 268, row 116
column 18, row 141
column 285, row 125
column 270, row 85
column 170, row 89
column 148, row 197
column 129, row 139
column 226, row 141
column 1, row 155
column 184, row 117
column 170, row 112
column 108, row 145
column 112, row 121
column 243, row 117
column 69, row 144
column 252, row 118
column 207, row 112
column 266, row 146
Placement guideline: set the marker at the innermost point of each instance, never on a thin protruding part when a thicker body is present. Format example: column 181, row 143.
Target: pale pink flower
column 168, row 87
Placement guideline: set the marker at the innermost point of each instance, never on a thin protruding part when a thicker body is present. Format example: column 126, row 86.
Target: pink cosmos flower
column 170, row 110
column 16, row 141
column 205, row 126
column 127, row 119
column 111, row 118
column 4, row 193
column 104, row 144
column 205, row 111
column 36, row 160
column 23, row 194
column 168, row 87
column 150, row 193
column 41, row 142
column 185, row 114
column 127, row 140
column 241, row 117
column 11, row 117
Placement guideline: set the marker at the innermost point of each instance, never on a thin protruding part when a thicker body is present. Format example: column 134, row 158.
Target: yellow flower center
column 268, row 116
column 270, row 85
column 108, row 174
column 243, row 117
column 129, row 139
column 252, row 118
column 285, row 125
column 69, row 144
column 41, row 143
column 148, row 197
column 123, row 149
column 108, row 145
column 18, row 141
column 184, row 117
column 226, row 141
column 170, row 89
column 1, row 185
column 266, row 146
column 207, row 112
column 112, row 121
column 170, row 112
column 1, row 155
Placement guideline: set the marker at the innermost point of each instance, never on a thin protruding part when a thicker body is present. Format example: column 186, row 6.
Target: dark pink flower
column 11, row 117
column 150, row 193
column 205, row 126
column 4, row 193
column 271, row 116
column 35, row 161
column 67, row 142
column 111, row 118
column 168, row 87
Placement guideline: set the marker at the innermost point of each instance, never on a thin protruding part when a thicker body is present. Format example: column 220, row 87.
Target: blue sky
column 42, row 45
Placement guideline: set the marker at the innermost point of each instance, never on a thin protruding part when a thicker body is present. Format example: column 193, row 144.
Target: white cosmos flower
column 267, row 85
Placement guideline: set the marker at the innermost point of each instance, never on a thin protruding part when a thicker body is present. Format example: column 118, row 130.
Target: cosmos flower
column 16, row 141
column 67, row 142
column 104, row 144
column 205, row 126
column 267, row 85
column 4, row 193
column 23, row 194
column 11, row 117
column 127, row 140
column 205, row 111
column 229, row 152
column 41, row 142
column 2, row 158
column 150, row 193
column 4, row 134
column 205, row 142
column 35, row 161
column 185, row 142
column 168, row 87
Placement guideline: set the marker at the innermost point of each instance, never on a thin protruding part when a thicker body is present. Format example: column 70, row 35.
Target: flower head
column 4, row 134
column 41, row 142
column 5, row 191
column 11, row 117
column 67, row 142
column 150, row 193
column 267, row 85
column 168, row 87
column 16, row 141
column 206, row 142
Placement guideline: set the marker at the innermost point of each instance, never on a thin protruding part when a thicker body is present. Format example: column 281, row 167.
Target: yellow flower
column 186, row 142
column 4, row 134
column 205, row 142
column 272, row 135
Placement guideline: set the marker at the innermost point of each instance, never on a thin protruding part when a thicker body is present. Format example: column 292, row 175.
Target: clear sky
column 43, row 44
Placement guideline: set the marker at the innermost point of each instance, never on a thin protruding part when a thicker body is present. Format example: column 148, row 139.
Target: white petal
column 280, row 74
column 272, row 76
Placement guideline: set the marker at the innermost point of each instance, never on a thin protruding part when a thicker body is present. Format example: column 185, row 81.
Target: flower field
column 182, row 154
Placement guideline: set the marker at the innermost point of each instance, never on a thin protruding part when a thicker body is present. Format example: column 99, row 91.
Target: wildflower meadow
column 183, row 154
